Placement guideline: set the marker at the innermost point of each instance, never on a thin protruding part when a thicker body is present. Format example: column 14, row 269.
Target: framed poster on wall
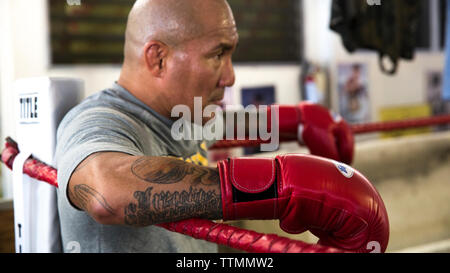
column 353, row 92
column 257, row 96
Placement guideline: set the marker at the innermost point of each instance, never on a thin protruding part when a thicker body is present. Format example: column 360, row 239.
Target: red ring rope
column 397, row 125
column 356, row 128
column 218, row 233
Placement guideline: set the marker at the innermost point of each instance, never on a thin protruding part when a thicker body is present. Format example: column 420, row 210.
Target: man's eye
column 220, row 55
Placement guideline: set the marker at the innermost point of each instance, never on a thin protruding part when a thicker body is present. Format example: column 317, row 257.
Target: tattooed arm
column 115, row 188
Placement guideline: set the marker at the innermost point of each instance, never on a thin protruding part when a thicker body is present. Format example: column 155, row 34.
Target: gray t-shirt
column 115, row 120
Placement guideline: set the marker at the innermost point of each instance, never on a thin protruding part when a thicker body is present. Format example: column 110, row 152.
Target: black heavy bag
column 388, row 27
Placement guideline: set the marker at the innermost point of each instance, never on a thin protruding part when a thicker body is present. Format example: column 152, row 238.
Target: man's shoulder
column 103, row 99
column 104, row 103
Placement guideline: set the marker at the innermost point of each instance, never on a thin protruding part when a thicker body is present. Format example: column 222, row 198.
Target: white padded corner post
column 40, row 104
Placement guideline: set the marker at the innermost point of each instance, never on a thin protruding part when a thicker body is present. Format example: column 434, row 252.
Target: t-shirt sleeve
column 99, row 129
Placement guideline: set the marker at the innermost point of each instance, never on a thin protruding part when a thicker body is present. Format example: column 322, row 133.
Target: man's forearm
column 177, row 190
column 141, row 191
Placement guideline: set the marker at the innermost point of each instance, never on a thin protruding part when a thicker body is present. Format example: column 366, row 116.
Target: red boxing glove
column 328, row 198
column 317, row 129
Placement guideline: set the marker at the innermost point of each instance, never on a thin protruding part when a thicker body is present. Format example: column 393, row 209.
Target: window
column 92, row 31
column 269, row 30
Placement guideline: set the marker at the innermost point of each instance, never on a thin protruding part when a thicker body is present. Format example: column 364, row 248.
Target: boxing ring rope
column 220, row 233
column 402, row 124
column 361, row 128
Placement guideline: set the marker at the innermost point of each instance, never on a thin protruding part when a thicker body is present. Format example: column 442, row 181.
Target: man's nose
column 228, row 77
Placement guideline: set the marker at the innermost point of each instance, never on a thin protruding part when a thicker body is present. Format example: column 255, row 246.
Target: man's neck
column 146, row 94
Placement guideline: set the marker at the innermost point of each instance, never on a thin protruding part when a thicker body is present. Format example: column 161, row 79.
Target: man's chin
column 218, row 103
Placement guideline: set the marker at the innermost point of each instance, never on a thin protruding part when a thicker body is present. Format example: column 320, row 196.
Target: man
column 119, row 169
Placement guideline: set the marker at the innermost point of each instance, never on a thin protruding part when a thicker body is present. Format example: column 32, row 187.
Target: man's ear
column 155, row 53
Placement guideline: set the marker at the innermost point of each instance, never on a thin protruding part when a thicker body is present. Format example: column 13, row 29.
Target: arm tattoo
column 170, row 171
column 167, row 206
column 82, row 194
column 152, row 208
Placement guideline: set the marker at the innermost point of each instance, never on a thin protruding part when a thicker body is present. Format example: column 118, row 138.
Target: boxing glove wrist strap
column 249, row 188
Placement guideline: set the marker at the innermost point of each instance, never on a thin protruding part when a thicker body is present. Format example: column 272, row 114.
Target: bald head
column 171, row 22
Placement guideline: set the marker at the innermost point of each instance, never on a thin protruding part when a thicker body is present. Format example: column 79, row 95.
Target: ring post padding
column 21, row 197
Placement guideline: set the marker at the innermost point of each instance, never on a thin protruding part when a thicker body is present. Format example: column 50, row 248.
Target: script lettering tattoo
column 83, row 194
column 152, row 208
column 170, row 171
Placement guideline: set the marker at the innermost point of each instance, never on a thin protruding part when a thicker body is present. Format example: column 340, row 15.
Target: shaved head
column 176, row 50
column 171, row 22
